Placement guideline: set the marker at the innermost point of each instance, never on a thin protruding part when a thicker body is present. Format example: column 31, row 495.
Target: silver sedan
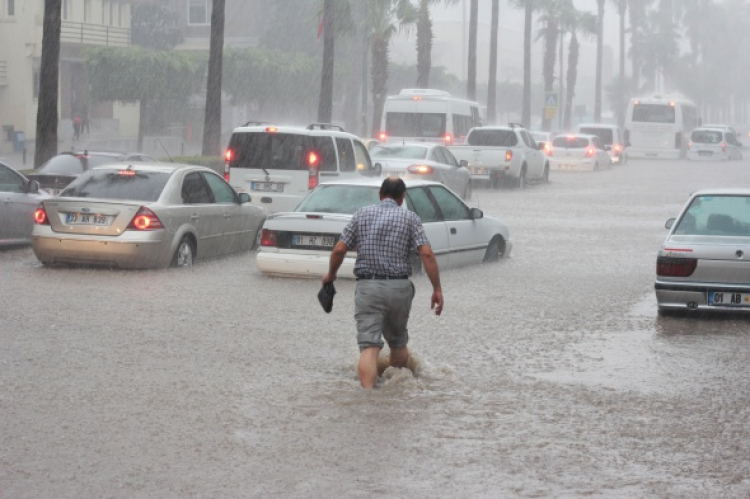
column 704, row 263
column 423, row 161
column 19, row 197
column 145, row 216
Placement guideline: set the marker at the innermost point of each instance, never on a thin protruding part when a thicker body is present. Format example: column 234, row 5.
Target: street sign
column 550, row 113
column 550, row 99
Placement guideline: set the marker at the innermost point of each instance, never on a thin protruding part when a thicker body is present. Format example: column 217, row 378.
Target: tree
column 637, row 10
column 551, row 12
column 325, row 103
column 575, row 22
column 46, row 116
column 212, row 117
column 471, row 80
column 622, row 7
column 424, row 41
column 492, row 81
column 528, row 6
column 154, row 26
column 599, row 53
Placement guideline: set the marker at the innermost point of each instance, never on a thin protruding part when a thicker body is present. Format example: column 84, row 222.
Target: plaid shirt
column 385, row 235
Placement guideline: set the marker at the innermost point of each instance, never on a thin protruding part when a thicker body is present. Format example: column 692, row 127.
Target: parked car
column 613, row 138
column 713, row 143
column 299, row 243
column 503, row 154
column 704, row 263
column 19, row 197
column 543, row 139
column 423, row 160
column 54, row 175
column 578, row 152
column 145, row 216
column 279, row 165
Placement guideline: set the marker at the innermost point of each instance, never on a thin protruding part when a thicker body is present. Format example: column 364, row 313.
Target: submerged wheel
column 467, row 191
column 521, row 181
column 184, row 254
column 545, row 175
column 495, row 250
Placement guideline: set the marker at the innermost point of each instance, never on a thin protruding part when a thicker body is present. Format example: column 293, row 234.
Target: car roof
column 722, row 191
column 425, row 145
column 710, row 128
column 155, row 167
column 597, row 125
column 582, row 135
column 291, row 129
column 377, row 182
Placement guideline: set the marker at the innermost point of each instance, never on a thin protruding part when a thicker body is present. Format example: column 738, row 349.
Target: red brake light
column 40, row 216
column 617, row 148
column 590, row 151
column 127, row 173
column 690, row 144
column 548, row 149
column 448, row 138
column 675, row 267
column 312, row 160
column 272, row 129
column 416, row 97
column 268, row 238
column 228, row 155
column 420, row 169
column 145, row 219
column 508, row 156
column 723, row 147
column 382, row 136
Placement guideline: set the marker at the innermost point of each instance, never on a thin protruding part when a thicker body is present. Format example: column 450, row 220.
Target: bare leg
column 399, row 356
column 368, row 367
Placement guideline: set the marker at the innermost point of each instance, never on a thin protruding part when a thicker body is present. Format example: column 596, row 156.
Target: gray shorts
column 381, row 309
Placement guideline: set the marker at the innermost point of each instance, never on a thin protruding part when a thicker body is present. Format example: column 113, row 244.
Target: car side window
column 195, row 189
column 10, row 182
column 361, row 156
column 323, row 147
column 526, row 139
column 436, row 154
column 221, row 191
column 449, row 157
column 346, row 154
column 450, row 205
column 420, row 203
column 597, row 143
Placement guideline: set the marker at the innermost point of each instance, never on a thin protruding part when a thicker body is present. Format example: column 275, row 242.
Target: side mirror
column 540, row 146
column 463, row 162
column 476, row 214
column 607, row 148
column 245, row 198
column 33, row 187
column 669, row 223
column 376, row 170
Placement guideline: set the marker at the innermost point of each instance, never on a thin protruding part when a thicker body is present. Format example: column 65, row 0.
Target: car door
column 418, row 201
column 16, row 206
column 445, row 175
column 601, row 153
column 200, row 210
column 241, row 225
column 534, row 157
column 464, row 237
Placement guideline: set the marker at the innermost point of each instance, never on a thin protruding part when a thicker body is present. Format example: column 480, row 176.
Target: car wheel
column 521, row 181
column 467, row 191
column 545, row 175
column 184, row 254
column 496, row 180
column 495, row 250
column 596, row 166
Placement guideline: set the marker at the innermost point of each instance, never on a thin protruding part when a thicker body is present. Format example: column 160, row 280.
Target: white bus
column 430, row 115
column 659, row 127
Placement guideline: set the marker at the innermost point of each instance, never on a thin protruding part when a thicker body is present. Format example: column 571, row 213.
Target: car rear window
column 64, row 164
column 498, row 138
column 130, row 185
column 415, row 124
column 570, row 142
column 339, row 199
column 270, row 151
column 706, row 136
column 408, row 152
column 604, row 134
column 716, row 216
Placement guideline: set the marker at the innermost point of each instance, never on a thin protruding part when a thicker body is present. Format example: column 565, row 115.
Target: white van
column 279, row 165
column 427, row 114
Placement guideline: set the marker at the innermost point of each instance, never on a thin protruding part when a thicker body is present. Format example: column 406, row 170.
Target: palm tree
column 492, row 82
column 471, row 85
column 599, row 51
column 637, row 10
column 325, row 104
column 622, row 7
column 529, row 7
column 550, row 18
column 424, row 41
column 49, row 73
column 212, row 117
column 575, row 22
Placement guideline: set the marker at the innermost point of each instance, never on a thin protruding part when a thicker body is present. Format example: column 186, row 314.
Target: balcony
column 94, row 34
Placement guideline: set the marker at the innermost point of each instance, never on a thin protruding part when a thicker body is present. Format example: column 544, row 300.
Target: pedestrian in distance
column 77, row 125
column 385, row 235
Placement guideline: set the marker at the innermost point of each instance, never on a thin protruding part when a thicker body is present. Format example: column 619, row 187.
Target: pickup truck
column 503, row 155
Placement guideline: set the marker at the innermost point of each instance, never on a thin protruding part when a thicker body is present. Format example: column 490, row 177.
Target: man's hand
column 328, row 278
column 429, row 263
column 436, row 302
column 338, row 253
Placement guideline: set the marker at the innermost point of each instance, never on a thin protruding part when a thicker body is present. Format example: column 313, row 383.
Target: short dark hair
column 392, row 187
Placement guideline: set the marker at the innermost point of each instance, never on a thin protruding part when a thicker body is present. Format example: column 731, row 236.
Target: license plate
column 479, row 171
column 729, row 299
column 705, row 153
column 86, row 219
column 267, row 186
column 305, row 240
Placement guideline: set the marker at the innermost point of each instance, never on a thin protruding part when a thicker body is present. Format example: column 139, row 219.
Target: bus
column 429, row 115
column 659, row 126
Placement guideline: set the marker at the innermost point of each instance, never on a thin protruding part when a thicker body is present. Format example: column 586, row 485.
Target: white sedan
column 299, row 243
column 578, row 152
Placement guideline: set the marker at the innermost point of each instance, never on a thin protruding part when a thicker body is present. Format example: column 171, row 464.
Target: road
column 549, row 374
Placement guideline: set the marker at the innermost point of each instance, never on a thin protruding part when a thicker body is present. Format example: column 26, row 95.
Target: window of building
column 86, row 11
column 199, row 11
column 10, row 8
column 111, row 13
column 65, row 10
column 105, row 4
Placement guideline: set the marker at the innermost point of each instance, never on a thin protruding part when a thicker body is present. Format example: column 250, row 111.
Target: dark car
column 54, row 175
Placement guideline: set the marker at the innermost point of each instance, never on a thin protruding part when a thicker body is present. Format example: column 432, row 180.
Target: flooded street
column 548, row 374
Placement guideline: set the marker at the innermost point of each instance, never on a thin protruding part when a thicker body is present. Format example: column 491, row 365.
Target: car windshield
column 571, row 142
column 407, row 152
column 125, row 185
column 276, row 151
column 339, row 199
column 415, row 124
column 706, row 136
column 604, row 134
column 716, row 216
column 653, row 113
column 498, row 138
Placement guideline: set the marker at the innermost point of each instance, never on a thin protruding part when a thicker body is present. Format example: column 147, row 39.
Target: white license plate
column 729, row 299
column 86, row 219
column 479, row 171
column 305, row 240
column 705, row 153
column 267, row 186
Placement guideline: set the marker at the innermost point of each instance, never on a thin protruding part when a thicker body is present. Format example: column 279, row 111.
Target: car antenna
column 165, row 149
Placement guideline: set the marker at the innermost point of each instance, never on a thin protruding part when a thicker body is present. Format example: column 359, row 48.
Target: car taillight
column 447, row 138
column 617, row 148
column 40, row 216
column 145, row 219
column 548, row 149
column 382, row 136
column 227, row 159
column 312, row 161
column 590, row 151
column 723, row 147
column 420, row 169
column 690, row 144
column 268, row 238
column 508, row 155
column 667, row 266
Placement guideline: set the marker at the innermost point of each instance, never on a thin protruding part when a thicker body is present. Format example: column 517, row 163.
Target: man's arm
column 430, row 266
column 337, row 258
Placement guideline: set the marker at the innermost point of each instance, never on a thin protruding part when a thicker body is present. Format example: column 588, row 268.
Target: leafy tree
column 529, row 7
column 154, row 26
column 424, row 40
column 550, row 18
column 212, row 118
column 46, row 117
column 574, row 22
column 622, row 7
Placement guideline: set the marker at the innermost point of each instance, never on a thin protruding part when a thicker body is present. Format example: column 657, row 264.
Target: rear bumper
column 642, row 152
column 714, row 155
column 694, row 296
column 308, row 264
column 571, row 164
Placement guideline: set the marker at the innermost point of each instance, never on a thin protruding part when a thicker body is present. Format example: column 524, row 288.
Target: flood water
column 548, row 374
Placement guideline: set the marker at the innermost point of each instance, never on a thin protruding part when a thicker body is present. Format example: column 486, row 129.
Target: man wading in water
column 385, row 235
